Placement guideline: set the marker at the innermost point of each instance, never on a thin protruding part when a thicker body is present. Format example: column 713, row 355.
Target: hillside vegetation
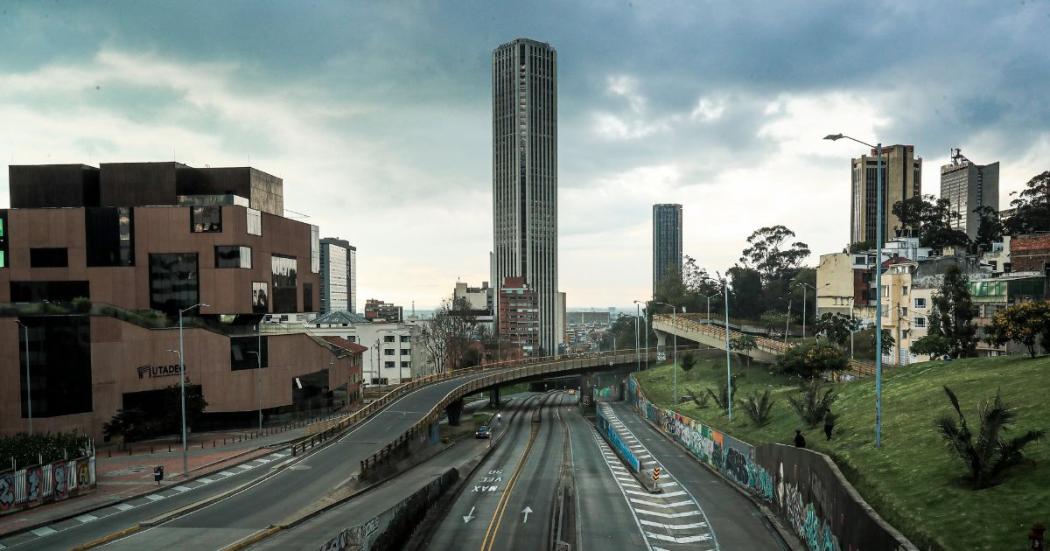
column 913, row 481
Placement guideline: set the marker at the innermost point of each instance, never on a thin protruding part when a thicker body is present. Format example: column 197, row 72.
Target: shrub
column 701, row 399
column 30, row 449
column 724, row 397
column 813, row 402
column 82, row 305
column 688, row 362
column 991, row 454
column 758, row 407
column 810, row 359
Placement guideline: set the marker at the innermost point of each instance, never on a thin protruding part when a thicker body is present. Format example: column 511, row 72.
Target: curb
column 786, row 536
column 122, row 499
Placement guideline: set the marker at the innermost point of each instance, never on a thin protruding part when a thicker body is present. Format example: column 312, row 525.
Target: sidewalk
column 122, row 476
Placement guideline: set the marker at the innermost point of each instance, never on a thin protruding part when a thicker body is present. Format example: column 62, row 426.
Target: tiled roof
column 346, row 344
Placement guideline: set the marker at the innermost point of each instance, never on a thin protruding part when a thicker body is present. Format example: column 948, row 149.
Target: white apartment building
column 394, row 354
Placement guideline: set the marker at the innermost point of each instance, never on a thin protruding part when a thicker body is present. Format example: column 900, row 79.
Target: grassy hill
column 912, row 481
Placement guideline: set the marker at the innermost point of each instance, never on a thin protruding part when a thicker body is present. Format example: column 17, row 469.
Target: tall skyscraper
column 968, row 186
column 337, row 275
column 667, row 242
column 525, row 175
column 901, row 179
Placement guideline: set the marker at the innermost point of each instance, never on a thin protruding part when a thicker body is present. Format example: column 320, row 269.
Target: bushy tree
column 724, row 396
column 771, row 252
column 1031, row 207
column 953, row 314
column 813, row 401
column 987, row 453
column 931, row 220
column 1022, row 323
column 747, row 300
column 745, row 344
column 687, row 361
column 989, row 229
column 837, row 327
column 448, row 335
column 809, row 359
column 701, row 399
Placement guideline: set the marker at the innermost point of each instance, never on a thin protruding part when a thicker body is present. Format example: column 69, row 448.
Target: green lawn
column 913, row 480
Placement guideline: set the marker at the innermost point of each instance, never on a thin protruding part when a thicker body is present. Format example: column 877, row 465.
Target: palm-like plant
column 698, row 398
column 723, row 397
column 758, row 407
column 991, row 454
column 811, row 404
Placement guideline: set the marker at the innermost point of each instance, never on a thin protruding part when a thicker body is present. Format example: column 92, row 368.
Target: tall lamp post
column 708, row 297
column 258, row 392
column 637, row 336
column 729, row 366
column 29, row 383
column 878, row 280
column 182, row 387
column 804, row 285
column 674, row 361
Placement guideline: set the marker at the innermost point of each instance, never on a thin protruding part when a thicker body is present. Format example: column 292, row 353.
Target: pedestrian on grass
column 829, row 424
column 800, row 441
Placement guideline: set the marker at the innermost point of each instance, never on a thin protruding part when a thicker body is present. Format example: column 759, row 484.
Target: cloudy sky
column 377, row 114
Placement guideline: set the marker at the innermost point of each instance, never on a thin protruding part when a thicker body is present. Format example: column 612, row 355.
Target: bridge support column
column 661, row 345
column 454, row 412
column 494, row 397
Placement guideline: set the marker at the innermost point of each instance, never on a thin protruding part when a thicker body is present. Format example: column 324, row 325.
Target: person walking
column 829, row 424
column 800, row 441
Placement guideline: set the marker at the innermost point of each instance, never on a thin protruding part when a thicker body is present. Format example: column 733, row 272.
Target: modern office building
column 100, row 262
column 338, row 281
column 519, row 325
column 379, row 311
column 968, row 186
column 667, row 243
column 902, row 179
column 525, row 176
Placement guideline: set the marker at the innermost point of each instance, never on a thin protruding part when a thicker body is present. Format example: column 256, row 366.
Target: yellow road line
column 501, row 506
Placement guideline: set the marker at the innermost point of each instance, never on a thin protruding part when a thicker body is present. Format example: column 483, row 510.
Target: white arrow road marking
column 526, row 510
column 469, row 516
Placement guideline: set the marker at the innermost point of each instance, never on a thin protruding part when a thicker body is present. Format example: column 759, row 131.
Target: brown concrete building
column 902, row 179
column 1030, row 253
column 98, row 262
column 519, row 324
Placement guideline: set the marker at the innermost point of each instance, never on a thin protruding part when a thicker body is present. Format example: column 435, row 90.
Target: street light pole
column 729, row 368
column 804, row 287
column 637, row 336
column 29, row 382
column 182, row 390
column 878, row 281
column 674, row 360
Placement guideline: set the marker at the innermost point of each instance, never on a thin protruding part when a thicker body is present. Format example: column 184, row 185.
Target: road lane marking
column 44, row 531
column 670, row 515
column 674, row 526
column 684, row 539
column 661, row 505
column 123, row 507
column 501, row 506
column 84, row 519
column 154, row 497
column 205, row 480
column 182, row 488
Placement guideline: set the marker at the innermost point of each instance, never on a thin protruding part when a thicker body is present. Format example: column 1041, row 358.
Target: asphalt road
column 734, row 519
column 522, row 472
column 293, row 489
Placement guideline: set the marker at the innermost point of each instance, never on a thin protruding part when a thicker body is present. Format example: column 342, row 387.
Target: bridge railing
column 541, row 366
column 689, row 323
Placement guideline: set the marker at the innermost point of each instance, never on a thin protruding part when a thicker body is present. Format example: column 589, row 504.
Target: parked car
column 483, row 432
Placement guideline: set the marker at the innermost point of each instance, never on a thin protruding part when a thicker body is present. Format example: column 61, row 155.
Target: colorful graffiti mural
column 43, row 483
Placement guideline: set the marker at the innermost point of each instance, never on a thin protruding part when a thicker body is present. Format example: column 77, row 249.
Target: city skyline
column 354, row 121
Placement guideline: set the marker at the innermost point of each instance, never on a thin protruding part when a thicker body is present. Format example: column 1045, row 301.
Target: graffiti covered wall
column 803, row 487
column 45, row 483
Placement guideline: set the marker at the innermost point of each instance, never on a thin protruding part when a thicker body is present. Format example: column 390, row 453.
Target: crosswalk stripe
column 44, row 531
column 686, row 539
column 663, row 505
column 226, row 473
column 205, row 480
column 123, row 506
column 84, row 519
column 689, row 526
column 668, row 515
column 154, row 497
column 182, row 488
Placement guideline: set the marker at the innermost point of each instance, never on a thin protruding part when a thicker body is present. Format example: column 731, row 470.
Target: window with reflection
column 233, row 256
column 285, row 275
column 110, row 238
column 206, row 219
column 254, row 222
column 173, row 282
column 260, row 297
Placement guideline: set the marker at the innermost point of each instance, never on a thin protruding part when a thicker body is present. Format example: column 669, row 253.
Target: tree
column 989, row 229
column 773, row 320
column 1022, row 323
column 447, row 336
column 809, row 359
column 953, row 313
column 931, row 220
column 887, row 341
column 747, row 300
column 1031, row 207
column 745, row 344
column 932, row 345
column 724, row 397
column 768, row 252
column 837, row 327
column 688, row 362
column 990, row 454
column 622, row 331
column 758, row 407
column 813, row 402
column 698, row 398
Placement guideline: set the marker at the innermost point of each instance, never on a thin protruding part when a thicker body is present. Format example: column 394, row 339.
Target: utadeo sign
column 152, row 371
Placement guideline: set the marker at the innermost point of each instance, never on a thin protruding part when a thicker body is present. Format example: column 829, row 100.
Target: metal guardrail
column 503, row 374
column 687, row 323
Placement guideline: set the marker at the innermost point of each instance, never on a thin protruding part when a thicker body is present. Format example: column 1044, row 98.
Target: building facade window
column 308, row 297
column 389, row 338
column 920, row 321
column 173, row 281
column 260, row 297
column 406, row 365
column 285, row 280
column 206, row 219
column 49, row 257
column 389, row 364
column 920, row 303
column 406, row 352
column 110, row 236
column 315, row 249
column 388, row 351
column 59, row 366
column 243, row 352
column 406, row 338
column 254, row 224
column 51, row 291
column 3, row 239
column 233, row 256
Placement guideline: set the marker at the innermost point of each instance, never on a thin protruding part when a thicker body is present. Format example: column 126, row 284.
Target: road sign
column 656, row 473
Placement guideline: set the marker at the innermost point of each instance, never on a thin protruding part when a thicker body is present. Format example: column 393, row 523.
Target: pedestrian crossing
column 134, row 503
column 669, row 521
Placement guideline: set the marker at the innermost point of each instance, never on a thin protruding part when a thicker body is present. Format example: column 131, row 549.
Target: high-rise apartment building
column 377, row 310
column 968, row 186
column 525, row 175
column 337, row 275
column 901, row 179
column 518, row 315
column 667, row 243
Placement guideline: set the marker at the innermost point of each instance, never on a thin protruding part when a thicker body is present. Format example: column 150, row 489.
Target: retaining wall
column 804, row 488
column 39, row 484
